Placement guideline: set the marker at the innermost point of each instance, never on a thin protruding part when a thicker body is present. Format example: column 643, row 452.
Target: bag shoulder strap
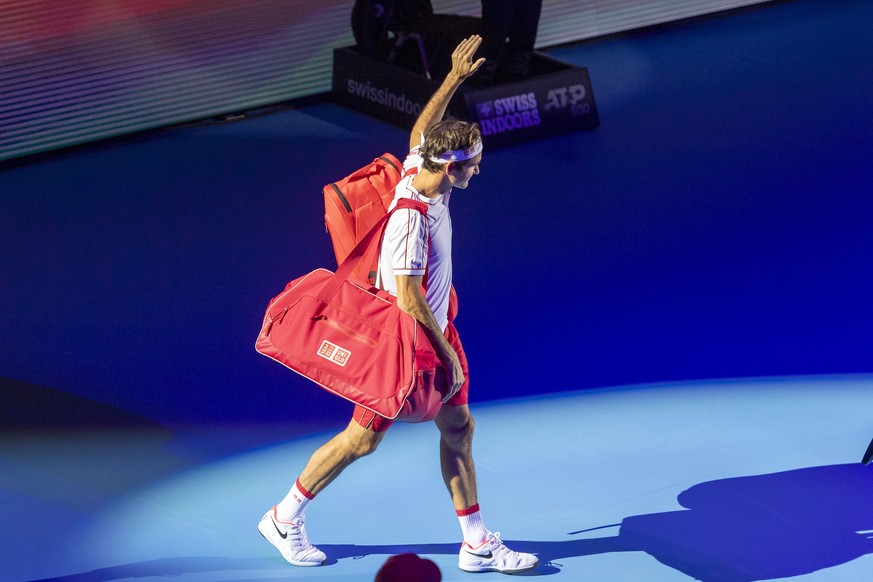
column 345, row 270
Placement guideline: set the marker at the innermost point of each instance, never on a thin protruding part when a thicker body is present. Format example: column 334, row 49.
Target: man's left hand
column 462, row 58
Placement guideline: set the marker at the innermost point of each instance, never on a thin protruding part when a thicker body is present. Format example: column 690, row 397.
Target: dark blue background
column 717, row 224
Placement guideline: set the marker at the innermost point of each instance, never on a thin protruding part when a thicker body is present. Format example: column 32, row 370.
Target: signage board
column 556, row 98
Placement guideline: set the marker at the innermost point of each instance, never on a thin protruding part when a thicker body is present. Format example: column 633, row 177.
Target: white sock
column 472, row 525
column 294, row 504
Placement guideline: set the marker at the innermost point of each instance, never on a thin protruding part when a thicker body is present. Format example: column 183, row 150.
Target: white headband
column 458, row 155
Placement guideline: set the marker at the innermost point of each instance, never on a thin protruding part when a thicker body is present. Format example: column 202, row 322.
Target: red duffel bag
column 351, row 339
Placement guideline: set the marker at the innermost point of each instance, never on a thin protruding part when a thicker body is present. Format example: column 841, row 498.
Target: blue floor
column 667, row 320
column 736, row 480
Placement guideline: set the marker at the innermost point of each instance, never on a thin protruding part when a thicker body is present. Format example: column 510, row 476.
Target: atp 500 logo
column 573, row 97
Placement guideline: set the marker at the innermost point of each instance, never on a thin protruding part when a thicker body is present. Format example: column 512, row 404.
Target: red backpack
column 354, row 204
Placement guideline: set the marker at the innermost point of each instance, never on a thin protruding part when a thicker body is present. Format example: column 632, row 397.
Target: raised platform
column 556, row 98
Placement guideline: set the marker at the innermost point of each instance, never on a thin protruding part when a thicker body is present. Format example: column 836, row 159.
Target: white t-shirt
column 415, row 244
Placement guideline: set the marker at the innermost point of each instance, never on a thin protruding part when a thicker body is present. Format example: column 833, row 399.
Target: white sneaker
column 290, row 539
column 493, row 556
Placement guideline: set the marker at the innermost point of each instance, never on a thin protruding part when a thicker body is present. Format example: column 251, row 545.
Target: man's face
column 460, row 177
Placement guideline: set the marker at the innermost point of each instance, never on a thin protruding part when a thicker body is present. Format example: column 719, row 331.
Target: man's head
column 408, row 567
column 453, row 147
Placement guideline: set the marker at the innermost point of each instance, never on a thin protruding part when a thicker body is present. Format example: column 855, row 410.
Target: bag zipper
column 346, row 330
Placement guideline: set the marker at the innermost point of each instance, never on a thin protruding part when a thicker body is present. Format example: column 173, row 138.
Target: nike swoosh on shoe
column 489, row 555
column 284, row 535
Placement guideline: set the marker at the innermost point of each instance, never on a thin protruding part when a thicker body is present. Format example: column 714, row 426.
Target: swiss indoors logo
column 333, row 353
column 508, row 114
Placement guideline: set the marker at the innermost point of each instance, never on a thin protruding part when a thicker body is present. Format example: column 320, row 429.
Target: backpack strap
column 387, row 160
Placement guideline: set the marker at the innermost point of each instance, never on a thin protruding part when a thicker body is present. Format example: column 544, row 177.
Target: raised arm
column 462, row 67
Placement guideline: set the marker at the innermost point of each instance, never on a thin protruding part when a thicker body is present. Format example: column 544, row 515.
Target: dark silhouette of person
column 509, row 32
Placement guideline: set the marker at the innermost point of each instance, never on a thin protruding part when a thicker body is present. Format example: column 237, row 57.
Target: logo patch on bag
column 334, row 353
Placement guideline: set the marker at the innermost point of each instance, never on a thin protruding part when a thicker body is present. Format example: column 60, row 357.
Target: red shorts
column 378, row 423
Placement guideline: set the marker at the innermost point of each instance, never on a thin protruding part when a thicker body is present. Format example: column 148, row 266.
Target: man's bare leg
column 456, row 454
column 335, row 455
column 284, row 524
column 481, row 551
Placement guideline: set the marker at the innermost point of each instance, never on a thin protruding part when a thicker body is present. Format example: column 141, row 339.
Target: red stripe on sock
column 305, row 493
column 469, row 511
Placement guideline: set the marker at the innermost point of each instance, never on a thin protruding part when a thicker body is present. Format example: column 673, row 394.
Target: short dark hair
column 449, row 134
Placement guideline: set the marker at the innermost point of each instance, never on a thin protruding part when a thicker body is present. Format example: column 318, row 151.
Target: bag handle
column 345, row 270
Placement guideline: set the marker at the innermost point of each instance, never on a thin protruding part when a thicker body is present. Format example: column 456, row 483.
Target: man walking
column 443, row 155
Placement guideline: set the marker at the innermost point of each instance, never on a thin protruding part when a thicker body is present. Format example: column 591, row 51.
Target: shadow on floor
column 742, row 529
